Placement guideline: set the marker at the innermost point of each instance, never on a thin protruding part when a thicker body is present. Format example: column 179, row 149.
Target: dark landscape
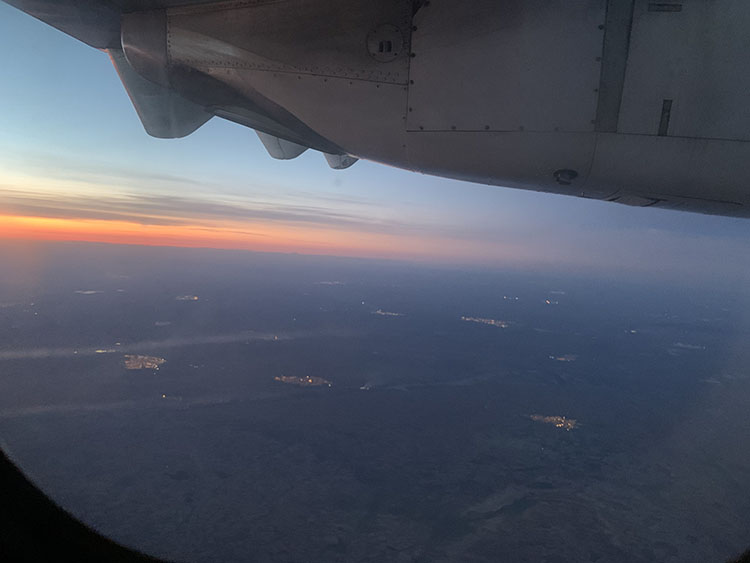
column 229, row 406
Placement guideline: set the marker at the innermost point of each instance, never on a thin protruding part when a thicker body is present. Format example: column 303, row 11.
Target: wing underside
column 164, row 111
column 95, row 22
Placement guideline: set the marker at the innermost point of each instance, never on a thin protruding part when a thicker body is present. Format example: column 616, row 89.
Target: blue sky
column 72, row 146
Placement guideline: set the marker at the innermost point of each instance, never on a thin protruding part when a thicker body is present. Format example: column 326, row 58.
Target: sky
column 76, row 164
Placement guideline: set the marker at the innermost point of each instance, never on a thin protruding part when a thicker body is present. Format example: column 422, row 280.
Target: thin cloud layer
column 177, row 210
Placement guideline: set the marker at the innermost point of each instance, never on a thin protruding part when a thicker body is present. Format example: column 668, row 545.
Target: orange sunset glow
column 255, row 236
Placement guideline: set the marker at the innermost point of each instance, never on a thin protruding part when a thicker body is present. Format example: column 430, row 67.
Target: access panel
column 688, row 71
column 506, row 65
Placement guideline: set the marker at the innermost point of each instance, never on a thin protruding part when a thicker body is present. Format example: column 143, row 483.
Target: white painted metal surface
column 506, row 65
column 694, row 174
column 698, row 56
column 642, row 103
column 308, row 37
column 280, row 149
column 340, row 161
column 163, row 112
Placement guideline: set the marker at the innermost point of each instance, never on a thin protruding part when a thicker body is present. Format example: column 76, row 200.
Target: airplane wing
column 630, row 101
column 95, row 22
column 164, row 113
